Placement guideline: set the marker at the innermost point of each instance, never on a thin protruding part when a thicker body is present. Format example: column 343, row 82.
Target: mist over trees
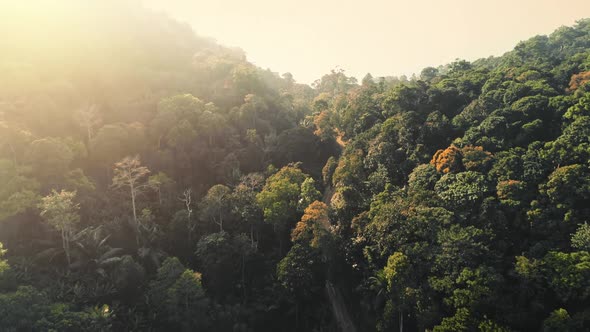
column 154, row 180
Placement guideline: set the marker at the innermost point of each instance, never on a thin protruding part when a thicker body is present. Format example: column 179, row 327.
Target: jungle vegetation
column 154, row 180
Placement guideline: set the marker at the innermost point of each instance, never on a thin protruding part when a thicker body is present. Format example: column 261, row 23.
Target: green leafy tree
column 186, row 302
column 215, row 205
column 300, row 273
column 398, row 276
column 309, row 193
column 18, row 192
column 568, row 274
column 279, row 199
column 223, row 259
column 560, row 320
column 160, row 182
column 460, row 321
column 581, row 238
column 113, row 142
column 243, row 202
column 62, row 213
column 50, row 158
column 462, row 189
column 177, row 297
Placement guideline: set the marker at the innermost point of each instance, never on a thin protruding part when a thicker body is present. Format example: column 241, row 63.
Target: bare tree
column 89, row 118
column 186, row 198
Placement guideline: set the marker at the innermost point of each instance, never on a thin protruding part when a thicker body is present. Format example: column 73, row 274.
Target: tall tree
column 89, row 119
column 60, row 211
column 279, row 199
column 215, row 205
column 187, row 199
column 159, row 182
column 131, row 175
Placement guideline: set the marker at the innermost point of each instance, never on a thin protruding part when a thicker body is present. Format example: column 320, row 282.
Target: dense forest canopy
column 154, row 180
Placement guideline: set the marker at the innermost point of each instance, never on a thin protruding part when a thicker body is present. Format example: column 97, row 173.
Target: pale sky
column 395, row 37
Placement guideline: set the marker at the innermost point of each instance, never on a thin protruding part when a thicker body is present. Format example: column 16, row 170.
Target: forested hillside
column 154, row 180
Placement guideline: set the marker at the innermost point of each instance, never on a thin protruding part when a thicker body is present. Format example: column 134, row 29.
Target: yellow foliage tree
column 447, row 160
column 313, row 226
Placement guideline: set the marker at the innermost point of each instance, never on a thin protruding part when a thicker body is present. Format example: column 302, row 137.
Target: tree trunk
column 134, row 214
column 220, row 222
column 89, row 131
column 401, row 321
column 244, row 276
column 296, row 315
column 189, row 224
column 66, row 246
column 13, row 155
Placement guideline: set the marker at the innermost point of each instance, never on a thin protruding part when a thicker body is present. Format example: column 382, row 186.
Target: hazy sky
column 310, row 37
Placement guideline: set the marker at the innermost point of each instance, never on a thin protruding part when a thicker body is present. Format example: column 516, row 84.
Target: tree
column 448, row 160
column 18, row 192
column 279, row 199
column 215, row 205
column 475, row 158
column 159, row 182
column 223, row 259
column 560, row 320
column 176, row 116
column 309, row 193
column 89, row 119
column 566, row 190
column 128, row 277
column 60, row 211
column 568, row 274
column 428, row 73
column 461, row 189
column 131, row 175
column 324, row 127
column 314, row 225
column 328, row 171
column 177, row 297
column 460, row 322
column 13, row 141
column 186, row 198
column 579, row 80
column 581, row 239
column 251, row 111
column 243, row 202
column 300, row 273
column 397, row 275
column 460, row 247
column 335, row 82
column 23, row 308
column 114, row 142
column 7, row 278
column 423, row 177
column 186, row 303
column 50, row 158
